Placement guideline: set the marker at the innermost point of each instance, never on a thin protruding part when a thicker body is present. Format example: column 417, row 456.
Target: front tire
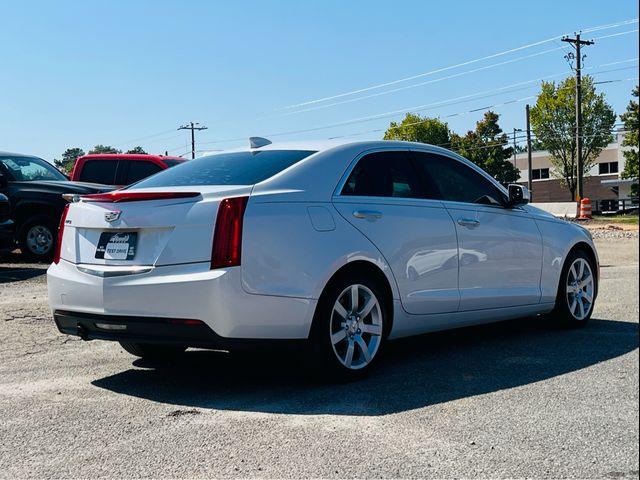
column 349, row 328
column 577, row 290
column 150, row 351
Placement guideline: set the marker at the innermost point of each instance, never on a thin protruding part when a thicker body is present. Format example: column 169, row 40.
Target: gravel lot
column 517, row 399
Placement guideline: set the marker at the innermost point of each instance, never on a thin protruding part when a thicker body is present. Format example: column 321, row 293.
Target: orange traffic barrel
column 585, row 208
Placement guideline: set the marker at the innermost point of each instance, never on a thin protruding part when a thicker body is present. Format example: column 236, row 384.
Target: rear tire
column 152, row 351
column 39, row 237
column 349, row 328
column 577, row 291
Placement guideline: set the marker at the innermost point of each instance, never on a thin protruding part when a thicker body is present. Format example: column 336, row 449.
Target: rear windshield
column 237, row 168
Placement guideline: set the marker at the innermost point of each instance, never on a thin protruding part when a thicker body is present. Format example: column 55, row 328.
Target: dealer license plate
column 117, row 246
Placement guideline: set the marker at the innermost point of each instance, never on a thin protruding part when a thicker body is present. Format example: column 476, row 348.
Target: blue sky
column 83, row 73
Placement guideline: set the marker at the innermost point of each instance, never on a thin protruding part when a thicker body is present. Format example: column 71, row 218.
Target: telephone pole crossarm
column 193, row 126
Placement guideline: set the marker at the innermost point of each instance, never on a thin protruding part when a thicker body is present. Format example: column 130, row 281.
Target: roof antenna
column 257, row 142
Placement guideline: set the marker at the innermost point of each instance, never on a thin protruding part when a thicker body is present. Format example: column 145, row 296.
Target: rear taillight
column 125, row 196
column 63, row 218
column 227, row 235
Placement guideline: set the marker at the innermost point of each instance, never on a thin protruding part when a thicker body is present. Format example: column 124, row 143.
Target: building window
column 607, row 168
column 539, row 173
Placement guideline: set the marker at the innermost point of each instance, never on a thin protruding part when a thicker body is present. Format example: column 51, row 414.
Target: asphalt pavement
column 515, row 399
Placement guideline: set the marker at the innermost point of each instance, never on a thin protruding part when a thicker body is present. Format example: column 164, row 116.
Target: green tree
column 487, row 147
column 137, row 150
column 553, row 120
column 415, row 128
column 68, row 160
column 104, row 149
column 630, row 119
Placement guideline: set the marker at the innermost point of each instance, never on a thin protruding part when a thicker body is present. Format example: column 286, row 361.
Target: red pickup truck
column 120, row 169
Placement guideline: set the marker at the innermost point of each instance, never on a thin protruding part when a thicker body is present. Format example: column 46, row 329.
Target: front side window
column 29, row 169
column 455, row 181
column 235, row 168
column 384, row 174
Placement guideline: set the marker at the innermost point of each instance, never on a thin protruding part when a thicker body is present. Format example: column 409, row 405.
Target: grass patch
column 619, row 219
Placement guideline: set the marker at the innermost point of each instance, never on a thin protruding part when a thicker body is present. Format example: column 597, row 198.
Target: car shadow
column 19, row 273
column 413, row 373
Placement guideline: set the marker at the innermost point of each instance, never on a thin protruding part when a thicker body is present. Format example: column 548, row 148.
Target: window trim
column 337, row 196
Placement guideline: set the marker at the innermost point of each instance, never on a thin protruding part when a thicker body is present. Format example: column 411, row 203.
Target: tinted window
column 99, row 171
column 170, row 162
column 384, row 174
column 140, row 169
column 457, row 182
column 27, row 169
column 237, row 168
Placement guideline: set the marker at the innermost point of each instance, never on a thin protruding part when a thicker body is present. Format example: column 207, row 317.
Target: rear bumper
column 193, row 333
column 153, row 296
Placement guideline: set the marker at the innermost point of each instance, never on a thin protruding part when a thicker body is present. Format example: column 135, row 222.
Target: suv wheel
column 38, row 237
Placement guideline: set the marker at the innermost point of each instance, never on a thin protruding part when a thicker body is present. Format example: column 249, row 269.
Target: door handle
column 368, row 214
column 468, row 222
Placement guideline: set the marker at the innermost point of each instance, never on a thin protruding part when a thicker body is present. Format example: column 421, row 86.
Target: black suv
column 34, row 188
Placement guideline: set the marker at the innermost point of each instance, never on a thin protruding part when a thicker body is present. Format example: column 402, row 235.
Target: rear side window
column 455, row 181
column 384, row 174
column 170, row 162
column 140, row 169
column 237, row 168
column 99, row 171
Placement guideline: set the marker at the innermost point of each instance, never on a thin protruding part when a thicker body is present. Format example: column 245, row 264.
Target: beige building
column 603, row 182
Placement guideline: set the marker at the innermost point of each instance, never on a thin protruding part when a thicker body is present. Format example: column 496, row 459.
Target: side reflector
column 227, row 235
column 63, row 218
column 125, row 196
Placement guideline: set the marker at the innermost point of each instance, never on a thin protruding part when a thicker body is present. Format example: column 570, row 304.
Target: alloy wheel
column 580, row 289
column 356, row 326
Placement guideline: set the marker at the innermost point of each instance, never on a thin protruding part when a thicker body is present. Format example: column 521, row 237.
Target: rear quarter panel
column 292, row 249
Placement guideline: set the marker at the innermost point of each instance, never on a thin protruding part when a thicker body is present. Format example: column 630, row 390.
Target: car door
column 499, row 248
column 384, row 199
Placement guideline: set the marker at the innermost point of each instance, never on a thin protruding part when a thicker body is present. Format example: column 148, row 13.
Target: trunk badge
column 112, row 215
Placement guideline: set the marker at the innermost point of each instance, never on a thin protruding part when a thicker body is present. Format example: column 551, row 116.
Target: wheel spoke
column 580, row 270
column 338, row 336
column 574, row 304
column 363, row 347
column 573, row 272
column 581, row 308
column 349, row 357
column 588, row 297
column 354, row 298
column 367, row 307
column 372, row 329
column 340, row 310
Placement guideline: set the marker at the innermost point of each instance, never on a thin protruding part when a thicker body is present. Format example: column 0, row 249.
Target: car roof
column 325, row 145
column 11, row 154
column 131, row 156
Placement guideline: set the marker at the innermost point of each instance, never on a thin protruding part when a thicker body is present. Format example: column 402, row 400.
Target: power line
column 451, row 67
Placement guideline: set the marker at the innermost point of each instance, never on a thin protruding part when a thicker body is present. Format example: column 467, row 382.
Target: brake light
column 125, row 196
column 63, row 218
column 227, row 235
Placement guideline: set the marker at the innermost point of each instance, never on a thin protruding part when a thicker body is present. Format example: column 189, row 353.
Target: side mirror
column 518, row 195
column 3, row 181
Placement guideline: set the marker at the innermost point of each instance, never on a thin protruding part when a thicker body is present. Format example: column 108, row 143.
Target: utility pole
column 515, row 147
column 192, row 126
column 577, row 43
column 529, row 162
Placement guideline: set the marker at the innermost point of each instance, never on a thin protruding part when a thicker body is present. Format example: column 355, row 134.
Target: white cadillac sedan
column 341, row 246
